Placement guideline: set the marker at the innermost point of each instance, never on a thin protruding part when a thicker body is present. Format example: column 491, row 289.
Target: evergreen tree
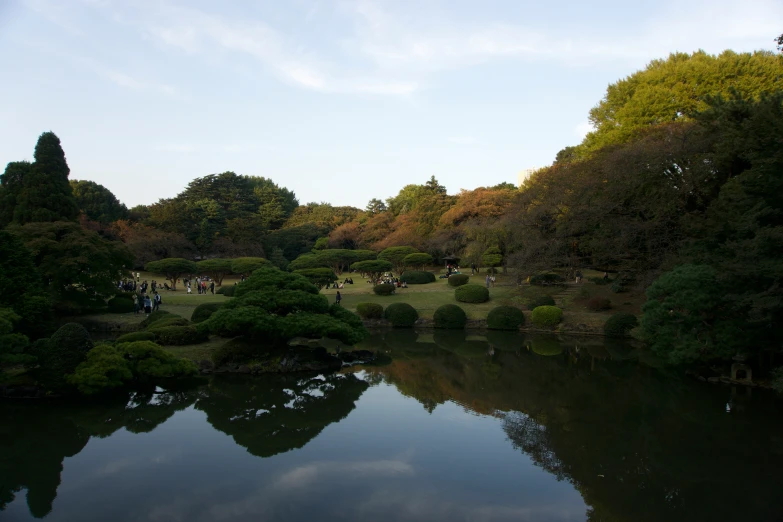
column 45, row 193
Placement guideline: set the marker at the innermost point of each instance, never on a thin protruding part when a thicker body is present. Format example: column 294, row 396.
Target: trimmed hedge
column 383, row 289
column 597, row 304
column 227, row 290
column 369, row 310
column 401, row 315
column 178, row 335
column 204, row 311
column 450, row 316
column 136, row 336
column 505, row 318
column 546, row 279
column 458, row 279
column 620, row 324
column 121, row 304
column 416, row 277
column 544, row 300
column 471, row 294
column 547, row 316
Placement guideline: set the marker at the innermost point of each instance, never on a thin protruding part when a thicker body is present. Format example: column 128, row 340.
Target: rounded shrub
column 383, row 289
column 505, row 318
column 545, row 316
column 458, row 279
column 204, row 311
column 544, row 300
column 416, row 277
column 234, row 351
column 401, row 315
column 369, row 310
column 597, row 304
column 471, row 294
column 136, row 336
column 620, row 324
column 450, row 316
column 178, row 335
column 121, row 304
column 227, row 290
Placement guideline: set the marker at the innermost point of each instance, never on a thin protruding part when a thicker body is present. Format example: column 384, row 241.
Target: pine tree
column 46, row 194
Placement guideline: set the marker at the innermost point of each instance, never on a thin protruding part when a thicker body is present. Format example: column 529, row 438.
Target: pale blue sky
column 338, row 100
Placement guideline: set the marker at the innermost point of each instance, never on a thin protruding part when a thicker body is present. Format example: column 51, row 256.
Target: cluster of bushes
column 450, row 316
column 597, row 304
column 416, row 277
column 458, row 279
column 547, row 316
column 546, row 279
column 544, row 300
column 121, row 304
column 505, row 318
column 383, row 289
column 620, row 324
column 401, row 315
column 369, row 310
column 227, row 290
column 471, row 293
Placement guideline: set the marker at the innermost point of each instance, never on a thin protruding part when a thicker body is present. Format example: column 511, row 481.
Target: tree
column 275, row 306
column 97, row 202
column 216, row 268
column 375, row 206
column 248, row 265
column 45, row 194
column 172, row 269
column 396, row 256
column 11, row 183
column 320, row 277
column 417, row 260
column 373, row 268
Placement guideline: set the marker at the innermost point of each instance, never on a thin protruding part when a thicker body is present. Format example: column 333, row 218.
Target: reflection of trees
column 275, row 414
column 35, row 438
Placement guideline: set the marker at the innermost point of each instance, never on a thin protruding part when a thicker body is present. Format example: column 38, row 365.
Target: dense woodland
column 676, row 192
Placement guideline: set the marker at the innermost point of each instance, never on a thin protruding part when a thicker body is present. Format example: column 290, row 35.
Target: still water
column 450, row 428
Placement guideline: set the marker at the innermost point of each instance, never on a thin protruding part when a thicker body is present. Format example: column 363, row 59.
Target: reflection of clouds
column 304, row 475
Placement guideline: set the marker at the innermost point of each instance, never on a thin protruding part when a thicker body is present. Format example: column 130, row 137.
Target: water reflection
column 635, row 443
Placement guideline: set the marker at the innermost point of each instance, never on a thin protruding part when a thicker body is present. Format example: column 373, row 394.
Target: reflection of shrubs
column 204, row 311
column 458, row 279
column 383, row 289
column 546, row 279
column 505, row 318
column 234, row 351
column 178, row 335
column 471, row 294
column 369, row 310
column 597, row 304
column 547, row 316
column 414, row 277
column 121, row 304
column 227, row 290
column 450, row 316
column 620, row 324
column 401, row 315
column 544, row 300
column 136, row 336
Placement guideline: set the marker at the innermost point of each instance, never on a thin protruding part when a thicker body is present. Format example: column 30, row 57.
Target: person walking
column 338, row 297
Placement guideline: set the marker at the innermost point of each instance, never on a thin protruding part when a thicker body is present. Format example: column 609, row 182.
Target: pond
column 489, row 427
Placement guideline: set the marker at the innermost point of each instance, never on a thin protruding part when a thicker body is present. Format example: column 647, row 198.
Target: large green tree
column 97, row 202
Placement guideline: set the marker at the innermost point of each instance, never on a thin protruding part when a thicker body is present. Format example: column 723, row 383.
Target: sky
column 340, row 101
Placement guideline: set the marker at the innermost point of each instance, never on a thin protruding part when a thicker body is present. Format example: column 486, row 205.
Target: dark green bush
column 155, row 316
column 227, row 290
column 178, row 335
column 458, row 279
column 369, row 310
column 547, row 316
column 234, row 351
column 121, row 304
column 544, row 300
column 136, row 336
column 596, row 304
column 471, row 294
column 204, row 311
column 620, row 324
column 383, row 289
column 415, row 277
column 401, row 315
column 62, row 354
column 450, row 316
column 505, row 318
column 546, row 279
